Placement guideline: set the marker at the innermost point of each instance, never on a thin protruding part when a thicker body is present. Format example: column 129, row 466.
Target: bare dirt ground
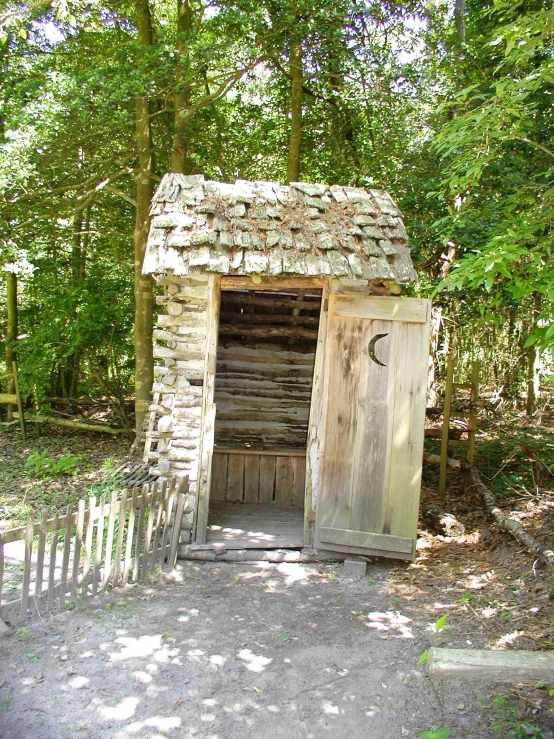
column 261, row 650
column 255, row 650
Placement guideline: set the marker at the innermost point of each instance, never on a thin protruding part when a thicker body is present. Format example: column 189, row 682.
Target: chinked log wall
column 262, row 395
column 173, row 434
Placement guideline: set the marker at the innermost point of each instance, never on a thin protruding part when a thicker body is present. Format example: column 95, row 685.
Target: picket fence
column 89, row 549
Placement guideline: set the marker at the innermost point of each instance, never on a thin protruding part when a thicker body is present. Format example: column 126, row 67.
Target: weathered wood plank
column 77, row 550
column 162, row 502
column 267, row 479
column 27, row 565
column 88, row 539
column 109, row 539
column 146, row 556
column 511, row 666
column 315, row 420
column 207, row 430
column 96, row 580
column 374, row 411
column 407, row 429
column 51, row 566
column 262, row 332
column 219, row 476
column 283, row 481
column 176, row 532
column 298, row 464
column 360, row 539
column 120, row 534
column 235, row 478
column 140, row 528
column 40, row 553
column 412, row 310
column 66, row 553
column 130, row 534
column 275, row 284
column 251, row 478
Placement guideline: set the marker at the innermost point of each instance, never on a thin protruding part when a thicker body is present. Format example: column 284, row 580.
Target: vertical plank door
column 373, row 425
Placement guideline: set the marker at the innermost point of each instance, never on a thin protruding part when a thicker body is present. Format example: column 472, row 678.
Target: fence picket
column 27, row 565
column 130, row 532
column 40, row 553
column 52, row 564
column 77, row 551
column 109, row 539
column 120, row 533
column 148, row 536
column 140, row 527
column 66, row 553
column 140, row 546
column 167, row 521
column 99, row 543
column 176, row 532
column 88, row 542
column 157, row 526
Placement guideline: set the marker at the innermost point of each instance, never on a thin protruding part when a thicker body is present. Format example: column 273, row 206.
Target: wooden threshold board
column 253, row 526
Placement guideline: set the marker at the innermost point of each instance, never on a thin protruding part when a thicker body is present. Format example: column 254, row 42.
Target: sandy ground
column 223, row 651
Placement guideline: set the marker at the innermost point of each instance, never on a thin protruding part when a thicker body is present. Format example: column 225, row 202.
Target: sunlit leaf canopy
column 459, row 130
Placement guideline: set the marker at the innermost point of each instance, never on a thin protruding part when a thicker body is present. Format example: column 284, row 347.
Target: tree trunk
column 11, row 334
column 295, row 66
column 144, row 368
column 179, row 149
column 533, row 357
column 460, row 20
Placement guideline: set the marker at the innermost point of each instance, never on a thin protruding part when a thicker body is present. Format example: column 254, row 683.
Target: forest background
column 447, row 105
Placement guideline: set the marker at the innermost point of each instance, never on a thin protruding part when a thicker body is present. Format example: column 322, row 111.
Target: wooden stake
column 446, row 425
column 511, row 666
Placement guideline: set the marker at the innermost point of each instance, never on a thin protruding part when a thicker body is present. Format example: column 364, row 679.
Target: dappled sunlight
column 390, row 621
column 132, row 648
column 156, row 722
column 254, row 662
column 293, row 572
column 122, row 711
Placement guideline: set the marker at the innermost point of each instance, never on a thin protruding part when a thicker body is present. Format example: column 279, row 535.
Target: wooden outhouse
column 291, row 374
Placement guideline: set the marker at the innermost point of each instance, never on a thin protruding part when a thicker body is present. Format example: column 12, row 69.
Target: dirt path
column 259, row 650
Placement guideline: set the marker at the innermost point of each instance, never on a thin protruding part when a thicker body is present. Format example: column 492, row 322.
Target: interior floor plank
column 255, row 526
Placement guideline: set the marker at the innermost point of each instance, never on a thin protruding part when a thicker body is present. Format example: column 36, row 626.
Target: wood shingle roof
column 263, row 228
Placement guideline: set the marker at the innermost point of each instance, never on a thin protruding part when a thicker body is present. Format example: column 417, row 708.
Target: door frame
column 216, row 285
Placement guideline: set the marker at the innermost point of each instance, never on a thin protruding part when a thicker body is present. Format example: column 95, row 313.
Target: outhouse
column 291, row 373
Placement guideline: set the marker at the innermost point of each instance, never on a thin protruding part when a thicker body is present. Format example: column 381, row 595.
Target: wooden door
column 373, row 424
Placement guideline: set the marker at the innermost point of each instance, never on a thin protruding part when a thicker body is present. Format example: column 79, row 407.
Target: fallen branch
column 511, row 666
column 81, row 425
column 513, row 527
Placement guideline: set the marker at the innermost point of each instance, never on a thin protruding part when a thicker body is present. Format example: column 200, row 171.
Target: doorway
column 263, row 384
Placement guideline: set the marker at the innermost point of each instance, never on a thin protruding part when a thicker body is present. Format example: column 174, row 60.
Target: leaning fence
column 54, row 562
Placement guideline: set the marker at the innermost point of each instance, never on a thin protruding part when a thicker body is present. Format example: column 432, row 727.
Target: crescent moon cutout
column 371, row 348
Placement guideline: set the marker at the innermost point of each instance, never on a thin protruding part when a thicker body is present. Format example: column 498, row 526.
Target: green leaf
column 423, row 657
column 439, row 623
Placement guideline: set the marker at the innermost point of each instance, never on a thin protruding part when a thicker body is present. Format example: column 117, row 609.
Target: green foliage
column 507, row 725
column 435, row 733
column 40, row 465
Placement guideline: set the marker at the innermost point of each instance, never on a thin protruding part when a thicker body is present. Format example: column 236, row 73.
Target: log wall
column 173, row 434
column 262, row 394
